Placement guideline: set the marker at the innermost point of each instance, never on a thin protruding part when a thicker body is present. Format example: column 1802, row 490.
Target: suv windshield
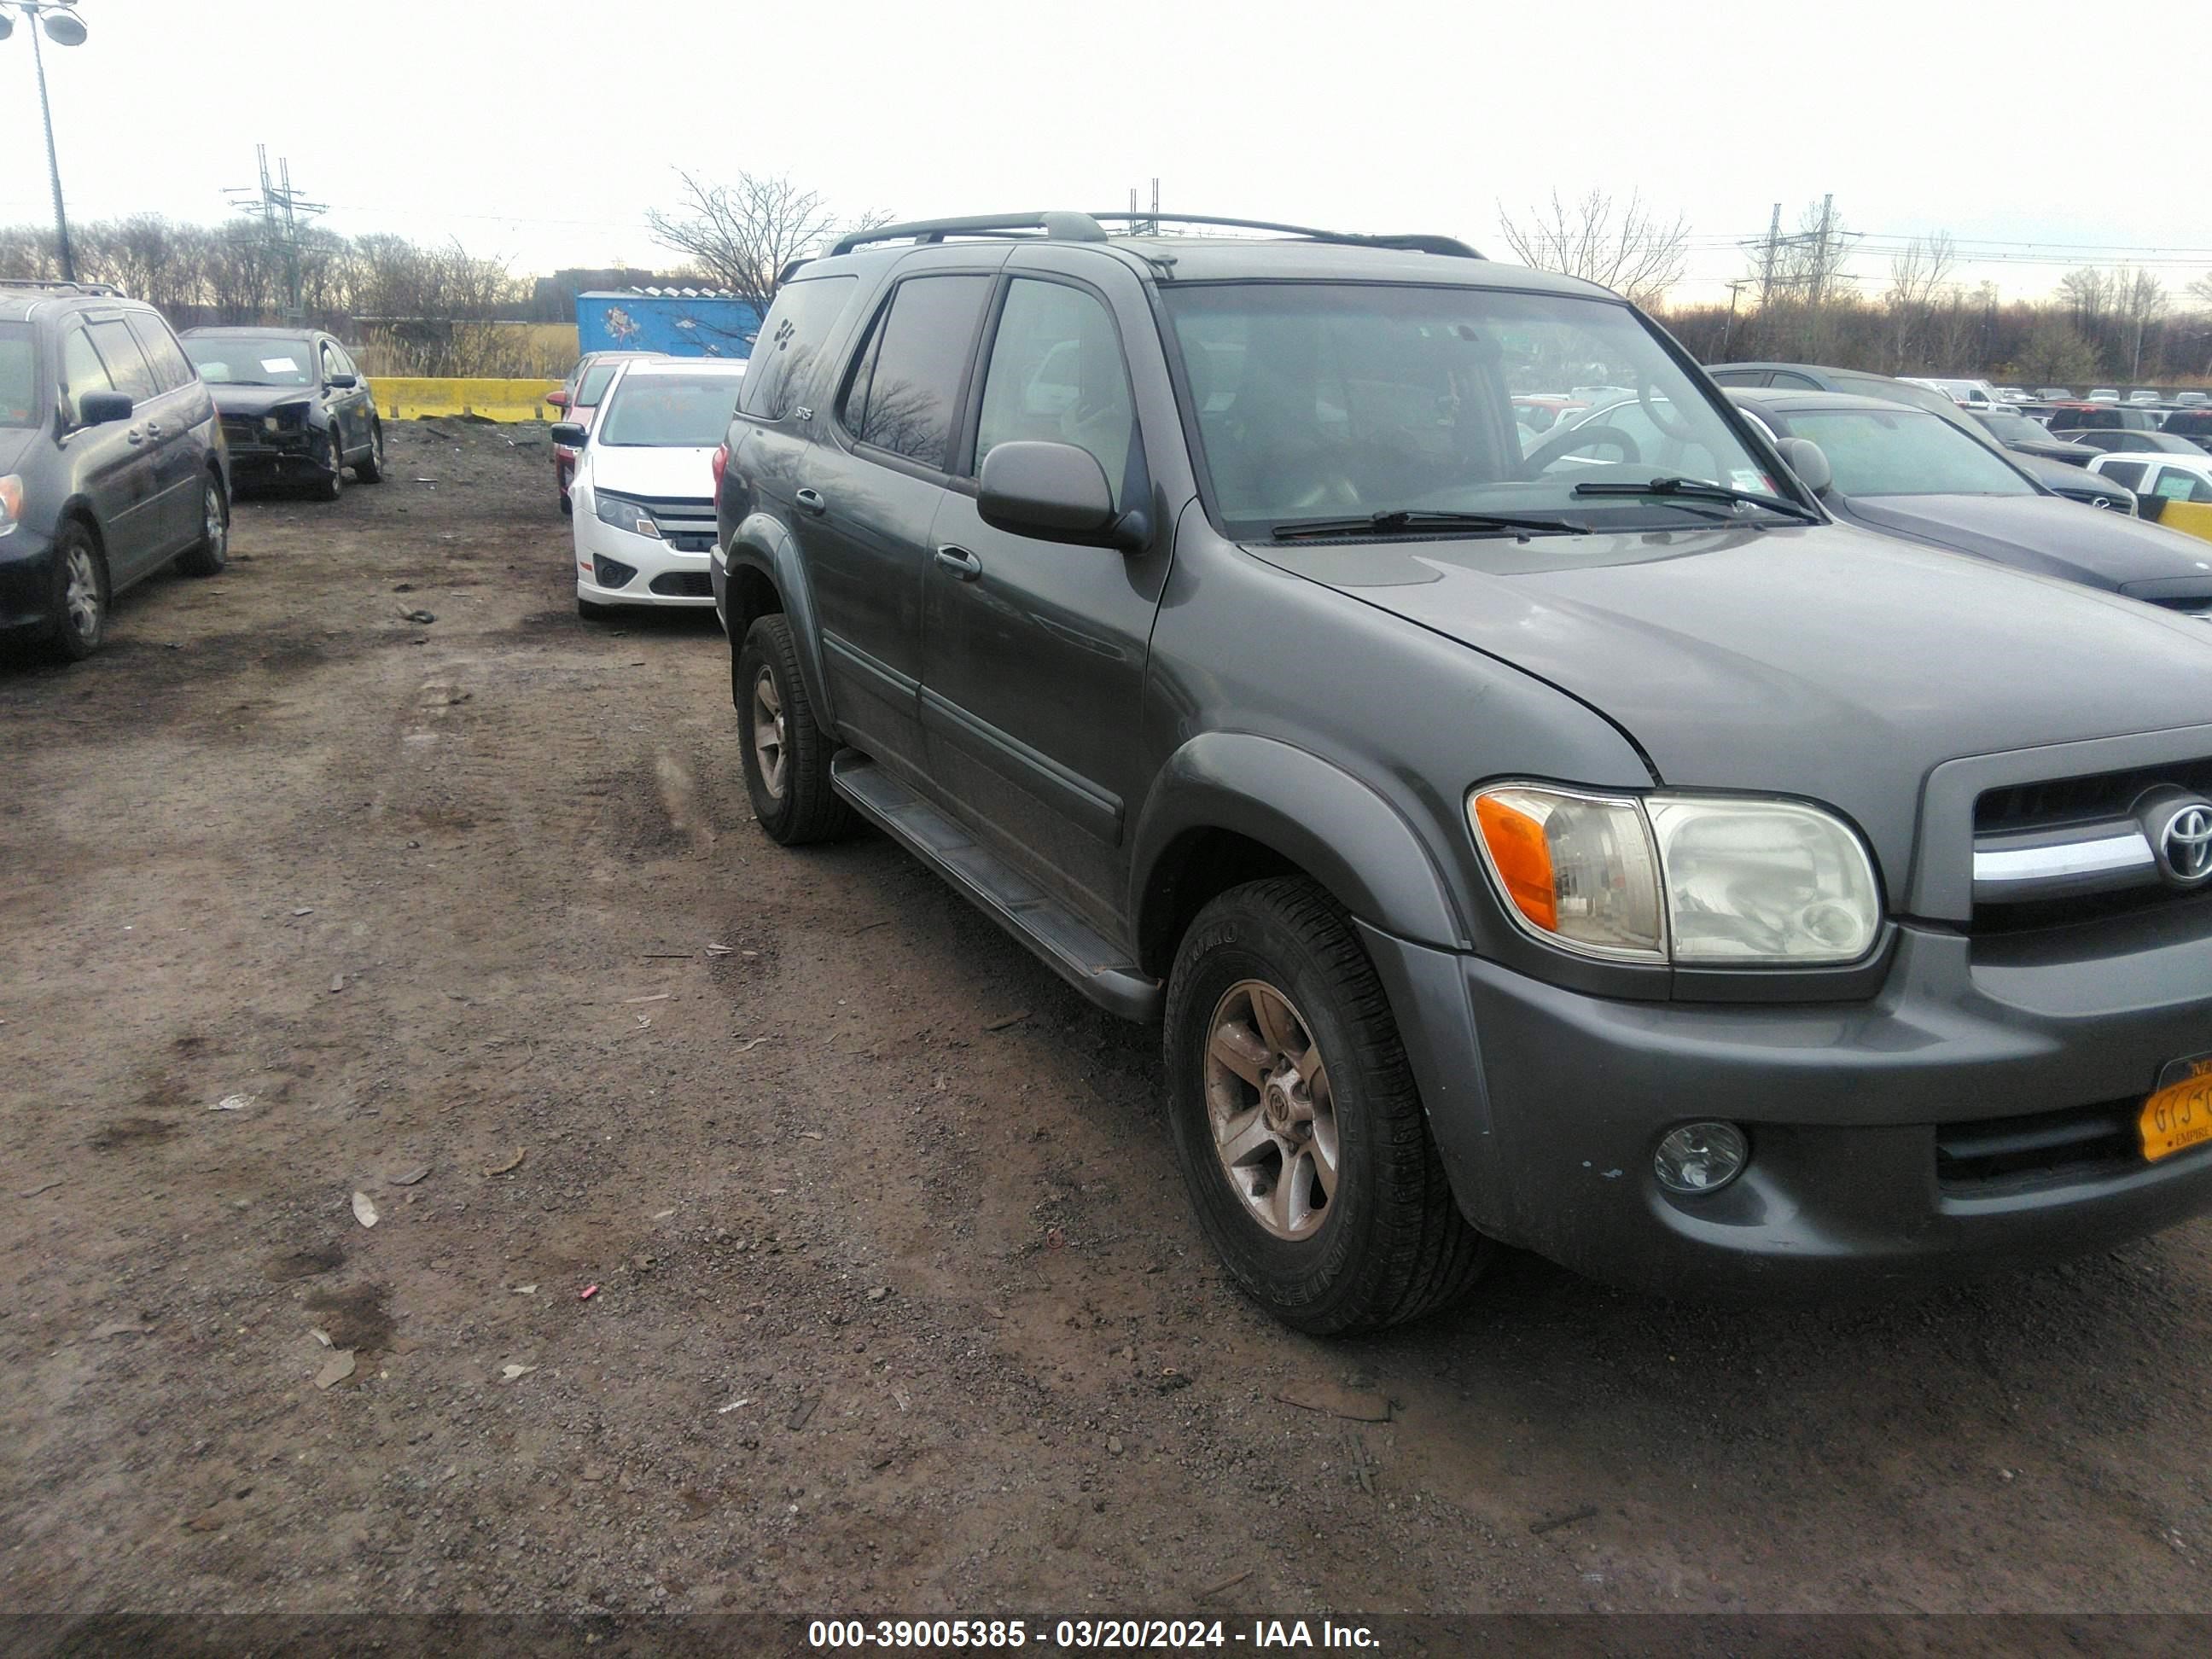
column 19, row 374
column 1902, row 451
column 254, row 360
column 670, row 412
column 1353, row 400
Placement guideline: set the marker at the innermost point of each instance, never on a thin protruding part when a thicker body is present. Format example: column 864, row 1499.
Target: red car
column 578, row 400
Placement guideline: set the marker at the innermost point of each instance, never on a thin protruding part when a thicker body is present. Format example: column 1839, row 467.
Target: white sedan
column 644, row 488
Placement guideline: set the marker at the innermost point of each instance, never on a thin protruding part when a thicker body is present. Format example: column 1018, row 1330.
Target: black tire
column 790, row 789
column 591, row 612
column 370, row 469
column 80, row 629
column 330, row 489
column 1388, row 1244
column 208, row 555
column 567, row 506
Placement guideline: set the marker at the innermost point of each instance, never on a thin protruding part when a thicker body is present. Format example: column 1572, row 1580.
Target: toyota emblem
column 2184, row 843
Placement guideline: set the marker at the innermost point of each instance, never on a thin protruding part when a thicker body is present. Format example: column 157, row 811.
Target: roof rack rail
column 55, row 284
column 1091, row 227
column 1059, row 226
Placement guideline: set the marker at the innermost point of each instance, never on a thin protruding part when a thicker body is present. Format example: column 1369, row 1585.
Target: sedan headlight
column 625, row 515
column 1703, row 880
column 285, row 417
column 11, row 503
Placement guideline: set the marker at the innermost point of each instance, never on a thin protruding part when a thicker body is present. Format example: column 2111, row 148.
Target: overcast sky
column 543, row 129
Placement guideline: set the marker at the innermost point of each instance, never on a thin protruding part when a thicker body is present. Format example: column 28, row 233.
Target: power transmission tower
column 1819, row 272
column 1766, row 264
column 283, row 213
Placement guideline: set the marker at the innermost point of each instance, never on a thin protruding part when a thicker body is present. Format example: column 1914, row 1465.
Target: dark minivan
column 112, row 465
column 1612, row 854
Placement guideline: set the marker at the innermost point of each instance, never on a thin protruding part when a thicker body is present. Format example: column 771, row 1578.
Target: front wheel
column 79, row 601
column 1297, row 1126
column 208, row 555
column 330, row 489
column 786, row 754
column 370, row 469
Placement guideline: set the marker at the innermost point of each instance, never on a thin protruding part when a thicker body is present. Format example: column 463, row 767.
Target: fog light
column 1700, row 1158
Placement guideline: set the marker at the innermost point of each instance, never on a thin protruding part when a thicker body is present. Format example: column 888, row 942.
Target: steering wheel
column 1661, row 413
column 1557, row 445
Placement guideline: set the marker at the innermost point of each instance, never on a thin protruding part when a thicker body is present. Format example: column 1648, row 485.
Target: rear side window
column 163, row 355
column 791, row 337
column 82, row 372
column 902, row 395
column 126, row 364
column 2127, row 475
column 1795, row 382
column 595, row 383
column 1740, row 377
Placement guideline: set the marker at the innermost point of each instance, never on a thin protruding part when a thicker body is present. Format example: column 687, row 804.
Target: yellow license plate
column 2179, row 1115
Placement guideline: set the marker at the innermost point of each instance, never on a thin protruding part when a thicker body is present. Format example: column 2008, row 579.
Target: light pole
column 65, row 29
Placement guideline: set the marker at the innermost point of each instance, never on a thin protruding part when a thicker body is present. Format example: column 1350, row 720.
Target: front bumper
column 303, row 462
column 617, row 566
column 27, row 584
column 1547, row 1104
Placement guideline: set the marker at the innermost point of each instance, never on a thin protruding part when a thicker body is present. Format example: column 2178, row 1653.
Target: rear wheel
column 208, row 555
column 79, row 601
column 370, row 469
column 786, row 755
column 1297, row 1126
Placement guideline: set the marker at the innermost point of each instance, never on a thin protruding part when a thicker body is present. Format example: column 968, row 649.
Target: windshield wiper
column 1698, row 490
column 1408, row 519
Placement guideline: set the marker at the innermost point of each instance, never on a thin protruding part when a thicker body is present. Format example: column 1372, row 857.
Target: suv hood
column 657, row 474
column 2068, row 539
column 1822, row 662
column 233, row 399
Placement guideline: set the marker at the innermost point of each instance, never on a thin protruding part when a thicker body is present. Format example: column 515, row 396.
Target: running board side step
column 1060, row 940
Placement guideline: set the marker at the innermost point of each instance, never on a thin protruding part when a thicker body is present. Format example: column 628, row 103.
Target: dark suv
column 112, row 465
column 1603, row 853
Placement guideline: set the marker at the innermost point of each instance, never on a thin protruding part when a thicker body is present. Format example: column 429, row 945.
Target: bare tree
column 743, row 234
column 1631, row 251
column 1917, row 277
column 2200, row 293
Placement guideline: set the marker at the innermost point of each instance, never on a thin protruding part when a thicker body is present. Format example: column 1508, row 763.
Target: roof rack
column 55, row 284
column 1065, row 227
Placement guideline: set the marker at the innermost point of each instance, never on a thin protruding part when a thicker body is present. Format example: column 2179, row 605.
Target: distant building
column 685, row 322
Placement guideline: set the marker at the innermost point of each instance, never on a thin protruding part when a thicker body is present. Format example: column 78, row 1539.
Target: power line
column 283, row 213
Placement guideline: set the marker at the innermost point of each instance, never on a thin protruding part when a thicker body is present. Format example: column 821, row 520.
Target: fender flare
column 1341, row 830
column 764, row 544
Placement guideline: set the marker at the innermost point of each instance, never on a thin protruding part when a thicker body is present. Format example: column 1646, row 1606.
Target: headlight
column 11, row 503
column 283, row 417
column 625, row 515
column 1697, row 880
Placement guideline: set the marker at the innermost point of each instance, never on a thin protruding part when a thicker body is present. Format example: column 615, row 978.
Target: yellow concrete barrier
column 2192, row 518
column 404, row 397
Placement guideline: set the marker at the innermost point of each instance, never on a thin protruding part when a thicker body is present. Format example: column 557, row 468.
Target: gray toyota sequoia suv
column 1595, row 849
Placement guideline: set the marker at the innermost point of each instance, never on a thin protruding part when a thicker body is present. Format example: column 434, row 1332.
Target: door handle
column 810, row 500
column 964, row 565
column 152, row 429
column 134, row 435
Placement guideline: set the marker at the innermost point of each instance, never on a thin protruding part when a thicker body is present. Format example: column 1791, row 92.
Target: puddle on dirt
column 127, row 1131
column 302, row 1264
column 356, row 1318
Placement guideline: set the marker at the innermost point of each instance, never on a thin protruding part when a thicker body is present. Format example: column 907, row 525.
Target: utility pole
column 1727, row 328
column 1820, row 248
column 283, row 213
column 1766, row 267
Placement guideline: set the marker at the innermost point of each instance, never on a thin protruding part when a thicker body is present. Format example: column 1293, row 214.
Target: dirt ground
column 898, row 1305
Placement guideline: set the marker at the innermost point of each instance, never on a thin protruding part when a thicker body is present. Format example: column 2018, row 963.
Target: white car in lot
column 644, row 488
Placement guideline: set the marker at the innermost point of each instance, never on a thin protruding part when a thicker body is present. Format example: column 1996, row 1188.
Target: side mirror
column 1803, row 457
column 1057, row 493
column 558, row 399
column 101, row 407
column 344, row 382
column 570, row 433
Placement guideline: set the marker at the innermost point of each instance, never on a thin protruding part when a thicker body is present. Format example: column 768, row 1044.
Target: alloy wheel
column 769, row 748
column 1269, row 1105
column 80, row 595
column 216, row 531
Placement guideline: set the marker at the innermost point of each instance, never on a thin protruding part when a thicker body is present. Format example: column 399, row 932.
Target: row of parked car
column 121, row 443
